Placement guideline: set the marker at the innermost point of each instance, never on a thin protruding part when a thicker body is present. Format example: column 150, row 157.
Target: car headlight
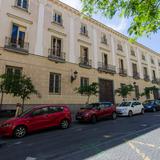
column 86, row 114
column 6, row 125
column 124, row 110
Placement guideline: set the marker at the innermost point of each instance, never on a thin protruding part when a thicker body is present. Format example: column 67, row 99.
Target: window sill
column 54, row 94
column 58, row 24
column 22, row 9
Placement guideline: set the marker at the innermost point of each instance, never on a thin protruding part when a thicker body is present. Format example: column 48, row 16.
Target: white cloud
column 121, row 27
column 73, row 3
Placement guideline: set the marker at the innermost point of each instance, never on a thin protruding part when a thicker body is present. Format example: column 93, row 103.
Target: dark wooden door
column 106, row 92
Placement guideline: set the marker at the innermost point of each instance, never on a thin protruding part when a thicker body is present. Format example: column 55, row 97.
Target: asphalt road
column 135, row 138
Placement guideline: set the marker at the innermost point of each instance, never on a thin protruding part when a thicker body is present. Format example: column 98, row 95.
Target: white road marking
column 17, row 143
column 30, row 158
column 144, row 125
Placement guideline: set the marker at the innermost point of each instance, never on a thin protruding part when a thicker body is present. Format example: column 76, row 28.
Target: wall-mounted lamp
column 74, row 76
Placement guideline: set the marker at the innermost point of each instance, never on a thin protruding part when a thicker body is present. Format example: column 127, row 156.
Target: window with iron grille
column 152, row 61
column 104, row 39
column 84, row 30
column 119, row 47
column 55, row 83
column 57, row 18
column 132, row 52
column 22, row 4
column 143, row 57
column 13, row 70
column 84, row 81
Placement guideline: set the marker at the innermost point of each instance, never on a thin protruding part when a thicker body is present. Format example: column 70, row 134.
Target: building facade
column 50, row 42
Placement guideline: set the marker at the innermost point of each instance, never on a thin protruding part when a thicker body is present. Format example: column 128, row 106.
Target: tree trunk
column 88, row 100
column 1, row 103
column 23, row 104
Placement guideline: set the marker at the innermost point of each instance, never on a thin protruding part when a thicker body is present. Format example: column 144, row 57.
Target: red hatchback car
column 37, row 118
column 95, row 111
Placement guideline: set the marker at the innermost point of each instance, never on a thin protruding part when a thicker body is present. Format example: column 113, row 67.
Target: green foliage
column 17, row 85
column 124, row 90
column 148, row 90
column 144, row 14
column 23, row 88
column 88, row 90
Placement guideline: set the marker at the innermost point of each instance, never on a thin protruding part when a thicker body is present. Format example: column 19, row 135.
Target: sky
column 121, row 25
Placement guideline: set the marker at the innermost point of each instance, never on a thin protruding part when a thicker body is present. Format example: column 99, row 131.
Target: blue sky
column 121, row 25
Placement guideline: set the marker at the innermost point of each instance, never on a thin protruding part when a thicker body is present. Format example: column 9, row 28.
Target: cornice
column 19, row 18
column 57, row 32
column 75, row 11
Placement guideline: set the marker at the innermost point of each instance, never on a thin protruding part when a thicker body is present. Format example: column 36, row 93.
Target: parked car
column 95, row 111
column 152, row 105
column 130, row 108
column 37, row 118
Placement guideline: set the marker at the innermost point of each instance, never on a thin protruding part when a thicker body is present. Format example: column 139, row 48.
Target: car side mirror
column 133, row 106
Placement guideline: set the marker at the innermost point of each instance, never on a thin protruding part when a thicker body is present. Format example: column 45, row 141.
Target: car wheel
column 130, row 113
column 114, row 115
column 154, row 109
column 20, row 131
column 142, row 111
column 93, row 119
column 64, row 124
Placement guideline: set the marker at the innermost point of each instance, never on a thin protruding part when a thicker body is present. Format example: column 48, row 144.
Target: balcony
column 57, row 22
column 104, row 41
column 85, row 63
column 136, row 75
column 122, row 72
column 106, row 68
column 18, row 46
column 84, row 33
column 146, row 78
column 155, row 80
column 56, row 56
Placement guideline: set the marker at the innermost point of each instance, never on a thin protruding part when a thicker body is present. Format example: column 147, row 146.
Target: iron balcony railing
column 104, row 41
column 155, row 80
column 18, row 45
column 56, row 55
column 136, row 75
column 56, row 21
column 122, row 72
column 85, row 62
column 84, row 33
column 106, row 68
column 146, row 77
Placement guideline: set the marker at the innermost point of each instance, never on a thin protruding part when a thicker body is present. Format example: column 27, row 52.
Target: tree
column 148, row 91
column 88, row 90
column 124, row 90
column 144, row 14
column 23, row 88
column 6, row 82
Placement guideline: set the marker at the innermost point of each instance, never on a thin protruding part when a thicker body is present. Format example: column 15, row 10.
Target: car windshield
column 25, row 112
column 149, row 102
column 91, row 106
column 125, row 104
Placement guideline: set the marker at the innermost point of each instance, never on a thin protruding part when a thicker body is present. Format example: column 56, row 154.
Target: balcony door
column 145, row 71
column 121, row 65
column 84, row 55
column 105, row 60
column 134, row 67
column 56, row 46
column 18, row 36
